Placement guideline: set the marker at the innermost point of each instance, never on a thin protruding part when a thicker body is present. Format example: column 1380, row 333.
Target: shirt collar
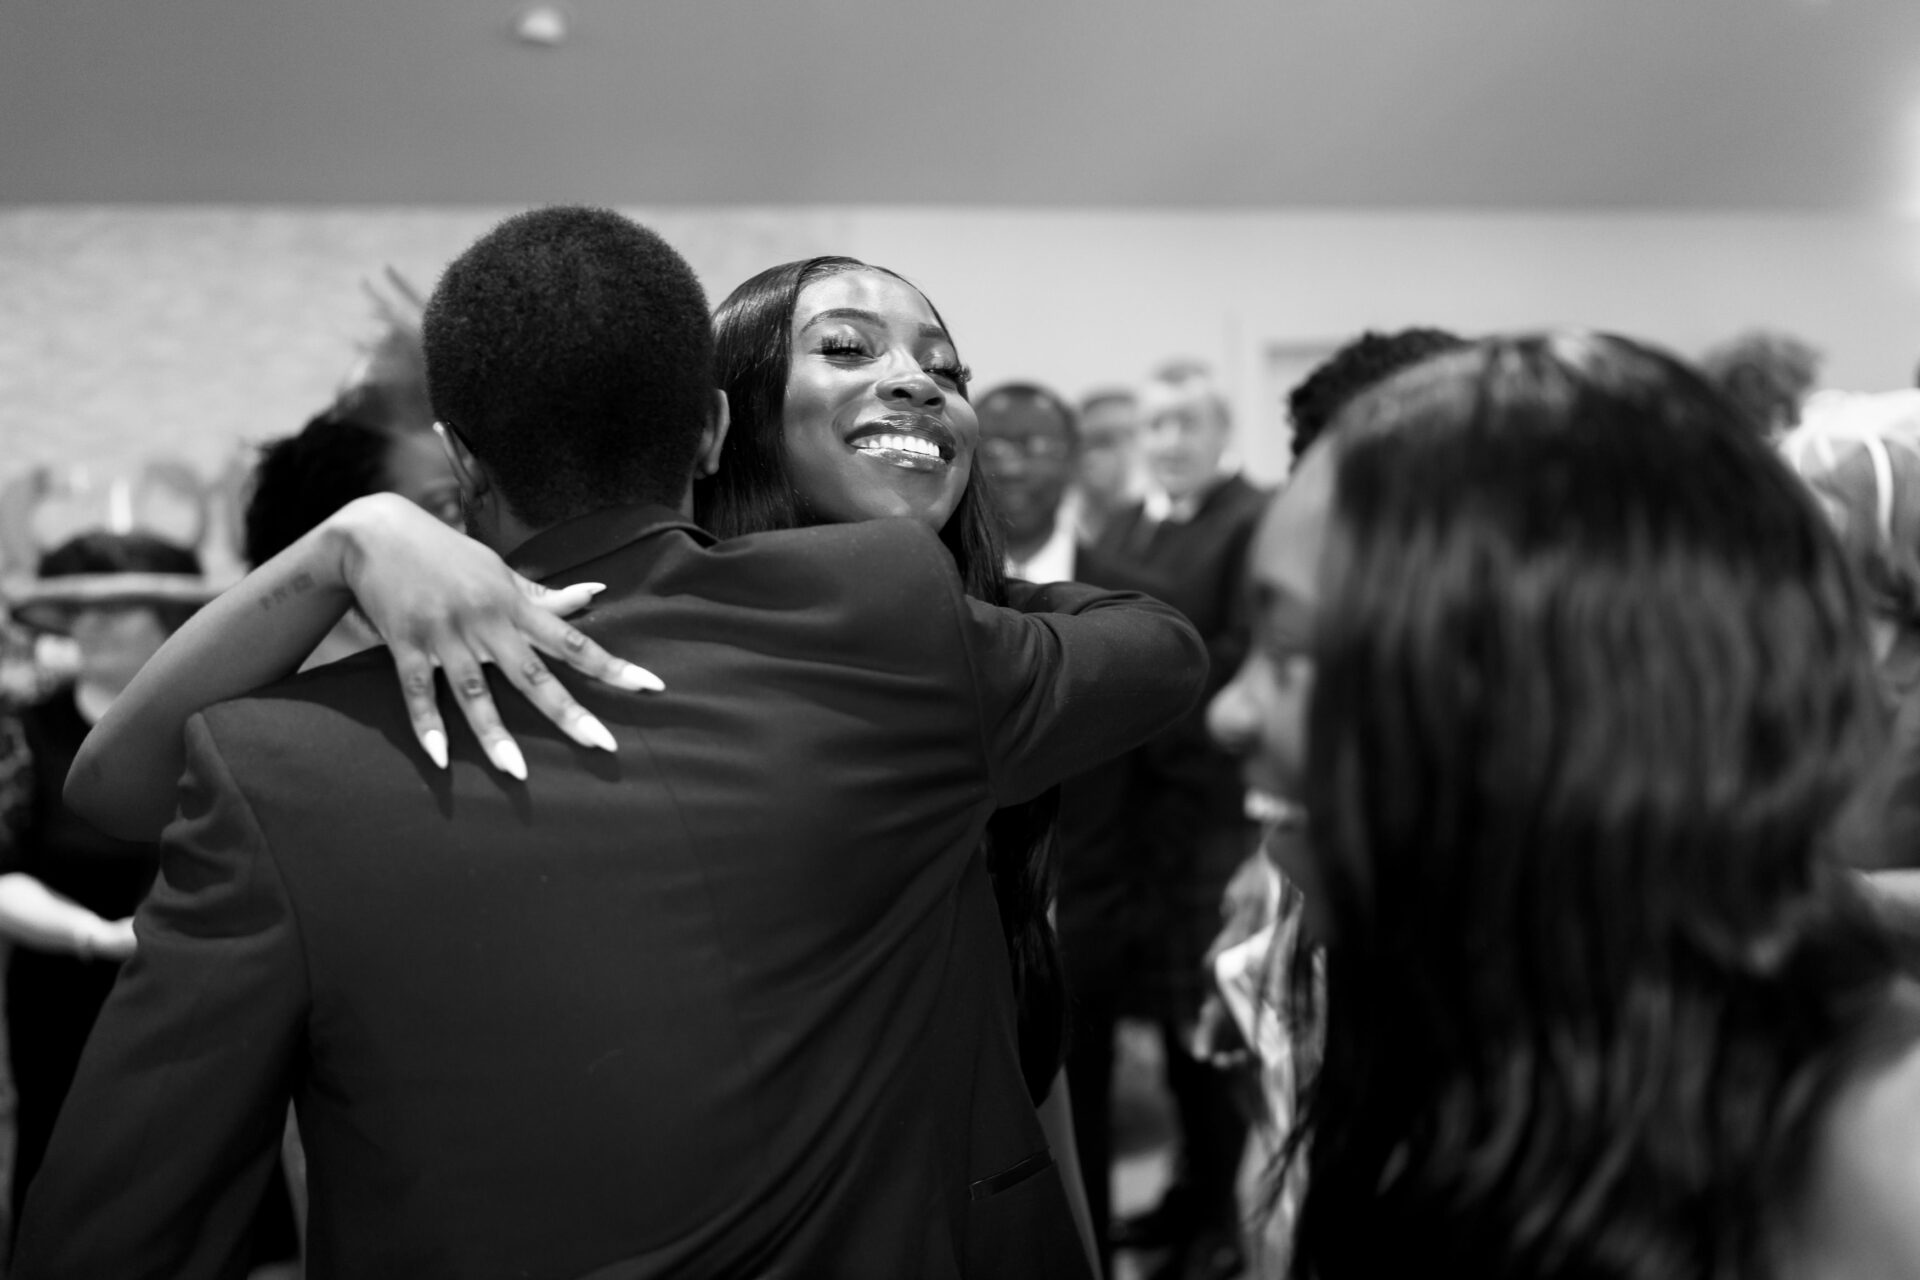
column 1053, row 562
column 1161, row 508
column 588, row 537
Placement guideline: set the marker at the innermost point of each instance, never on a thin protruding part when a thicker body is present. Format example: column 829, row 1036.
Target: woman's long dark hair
column 752, row 491
column 1592, row 687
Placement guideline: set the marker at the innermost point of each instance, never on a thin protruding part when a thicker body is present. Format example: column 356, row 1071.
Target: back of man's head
column 571, row 350
column 1366, row 361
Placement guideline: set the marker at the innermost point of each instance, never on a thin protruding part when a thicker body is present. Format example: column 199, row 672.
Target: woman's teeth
column 900, row 444
column 909, row 453
column 1270, row 810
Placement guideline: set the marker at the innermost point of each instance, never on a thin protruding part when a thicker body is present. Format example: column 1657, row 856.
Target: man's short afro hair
column 1370, row 358
column 571, row 350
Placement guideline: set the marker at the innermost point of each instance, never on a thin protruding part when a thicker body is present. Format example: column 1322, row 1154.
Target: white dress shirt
column 1053, row 562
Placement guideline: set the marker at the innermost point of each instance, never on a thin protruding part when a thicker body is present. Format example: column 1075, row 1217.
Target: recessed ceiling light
column 542, row 24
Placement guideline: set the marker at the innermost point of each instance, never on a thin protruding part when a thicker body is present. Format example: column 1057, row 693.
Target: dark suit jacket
column 1106, row 871
column 732, row 1001
column 1207, row 555
column 1196, row 815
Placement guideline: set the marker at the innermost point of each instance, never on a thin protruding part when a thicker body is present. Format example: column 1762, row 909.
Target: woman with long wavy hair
column 1574, row 682
column 776, row 473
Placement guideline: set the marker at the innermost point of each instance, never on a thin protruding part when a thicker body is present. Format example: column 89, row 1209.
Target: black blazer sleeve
column 173, row 1126
column 1072, row 675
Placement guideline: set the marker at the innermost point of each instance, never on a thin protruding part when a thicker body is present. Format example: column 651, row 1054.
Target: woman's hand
column 441, row 600
column 32, row 915
column 106, row 940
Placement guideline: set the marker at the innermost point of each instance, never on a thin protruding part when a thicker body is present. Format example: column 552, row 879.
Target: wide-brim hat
column 49, row 604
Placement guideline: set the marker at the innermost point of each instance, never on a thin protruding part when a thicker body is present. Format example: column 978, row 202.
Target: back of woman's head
column 302, row 479
column 1591, row 689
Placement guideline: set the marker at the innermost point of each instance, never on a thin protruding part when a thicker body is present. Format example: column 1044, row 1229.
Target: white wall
column 1087, row 298
column 128, row 331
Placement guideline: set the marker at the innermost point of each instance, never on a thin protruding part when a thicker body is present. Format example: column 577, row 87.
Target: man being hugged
column 698, row 986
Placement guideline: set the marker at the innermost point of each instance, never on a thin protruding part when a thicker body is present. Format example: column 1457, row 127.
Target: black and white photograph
column 878, row 640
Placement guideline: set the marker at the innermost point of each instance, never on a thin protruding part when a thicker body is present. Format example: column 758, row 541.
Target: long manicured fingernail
column 435, row 743
column 591, row 588
column 593, row 733
column 638, row 679
column 507, row 759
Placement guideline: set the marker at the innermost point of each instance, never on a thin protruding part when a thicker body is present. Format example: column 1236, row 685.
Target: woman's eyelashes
column 841, row 347
column 944, row 367
column 1282, row 642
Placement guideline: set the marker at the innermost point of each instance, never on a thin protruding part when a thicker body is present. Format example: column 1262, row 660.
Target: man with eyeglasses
column 1028, row 441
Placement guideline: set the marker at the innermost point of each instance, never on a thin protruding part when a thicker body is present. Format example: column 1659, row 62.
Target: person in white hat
column 68, row 891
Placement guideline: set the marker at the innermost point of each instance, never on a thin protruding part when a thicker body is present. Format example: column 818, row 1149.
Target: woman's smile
column 909, row 441
column 876, row 421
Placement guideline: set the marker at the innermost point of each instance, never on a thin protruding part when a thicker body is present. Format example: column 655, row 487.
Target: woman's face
column 874, row 423
column 1260, row 717
column 418, row 469
column 115, row 641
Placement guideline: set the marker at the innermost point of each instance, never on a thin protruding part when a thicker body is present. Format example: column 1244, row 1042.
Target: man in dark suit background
column 1105, row 912
column 730, row 999
column 1193, row 527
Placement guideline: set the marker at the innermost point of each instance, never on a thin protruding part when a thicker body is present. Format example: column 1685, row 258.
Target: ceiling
column 1462, row 104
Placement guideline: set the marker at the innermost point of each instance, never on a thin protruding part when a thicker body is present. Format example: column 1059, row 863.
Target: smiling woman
column 876, row 421
column 849, row 402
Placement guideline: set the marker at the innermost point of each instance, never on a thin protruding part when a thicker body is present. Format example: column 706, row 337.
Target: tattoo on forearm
column 301, row 584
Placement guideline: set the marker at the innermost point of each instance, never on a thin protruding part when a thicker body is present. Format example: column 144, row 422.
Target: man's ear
column 466, row 468
column 708, row 460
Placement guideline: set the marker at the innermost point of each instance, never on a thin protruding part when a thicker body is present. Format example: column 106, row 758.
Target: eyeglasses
column 1001, row 449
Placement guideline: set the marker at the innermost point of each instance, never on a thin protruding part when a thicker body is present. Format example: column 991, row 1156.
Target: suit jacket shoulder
column 1238, row 499
column 1101, row 568
column 873, row 562
column 826, row 580
column 1122, row 531
column 718, row 971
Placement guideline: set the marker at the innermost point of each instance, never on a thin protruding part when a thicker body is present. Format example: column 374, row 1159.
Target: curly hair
column 1592, row 688
column 570, row 350
column 1362, row 363
column 1766, row 375
column 303, row 478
